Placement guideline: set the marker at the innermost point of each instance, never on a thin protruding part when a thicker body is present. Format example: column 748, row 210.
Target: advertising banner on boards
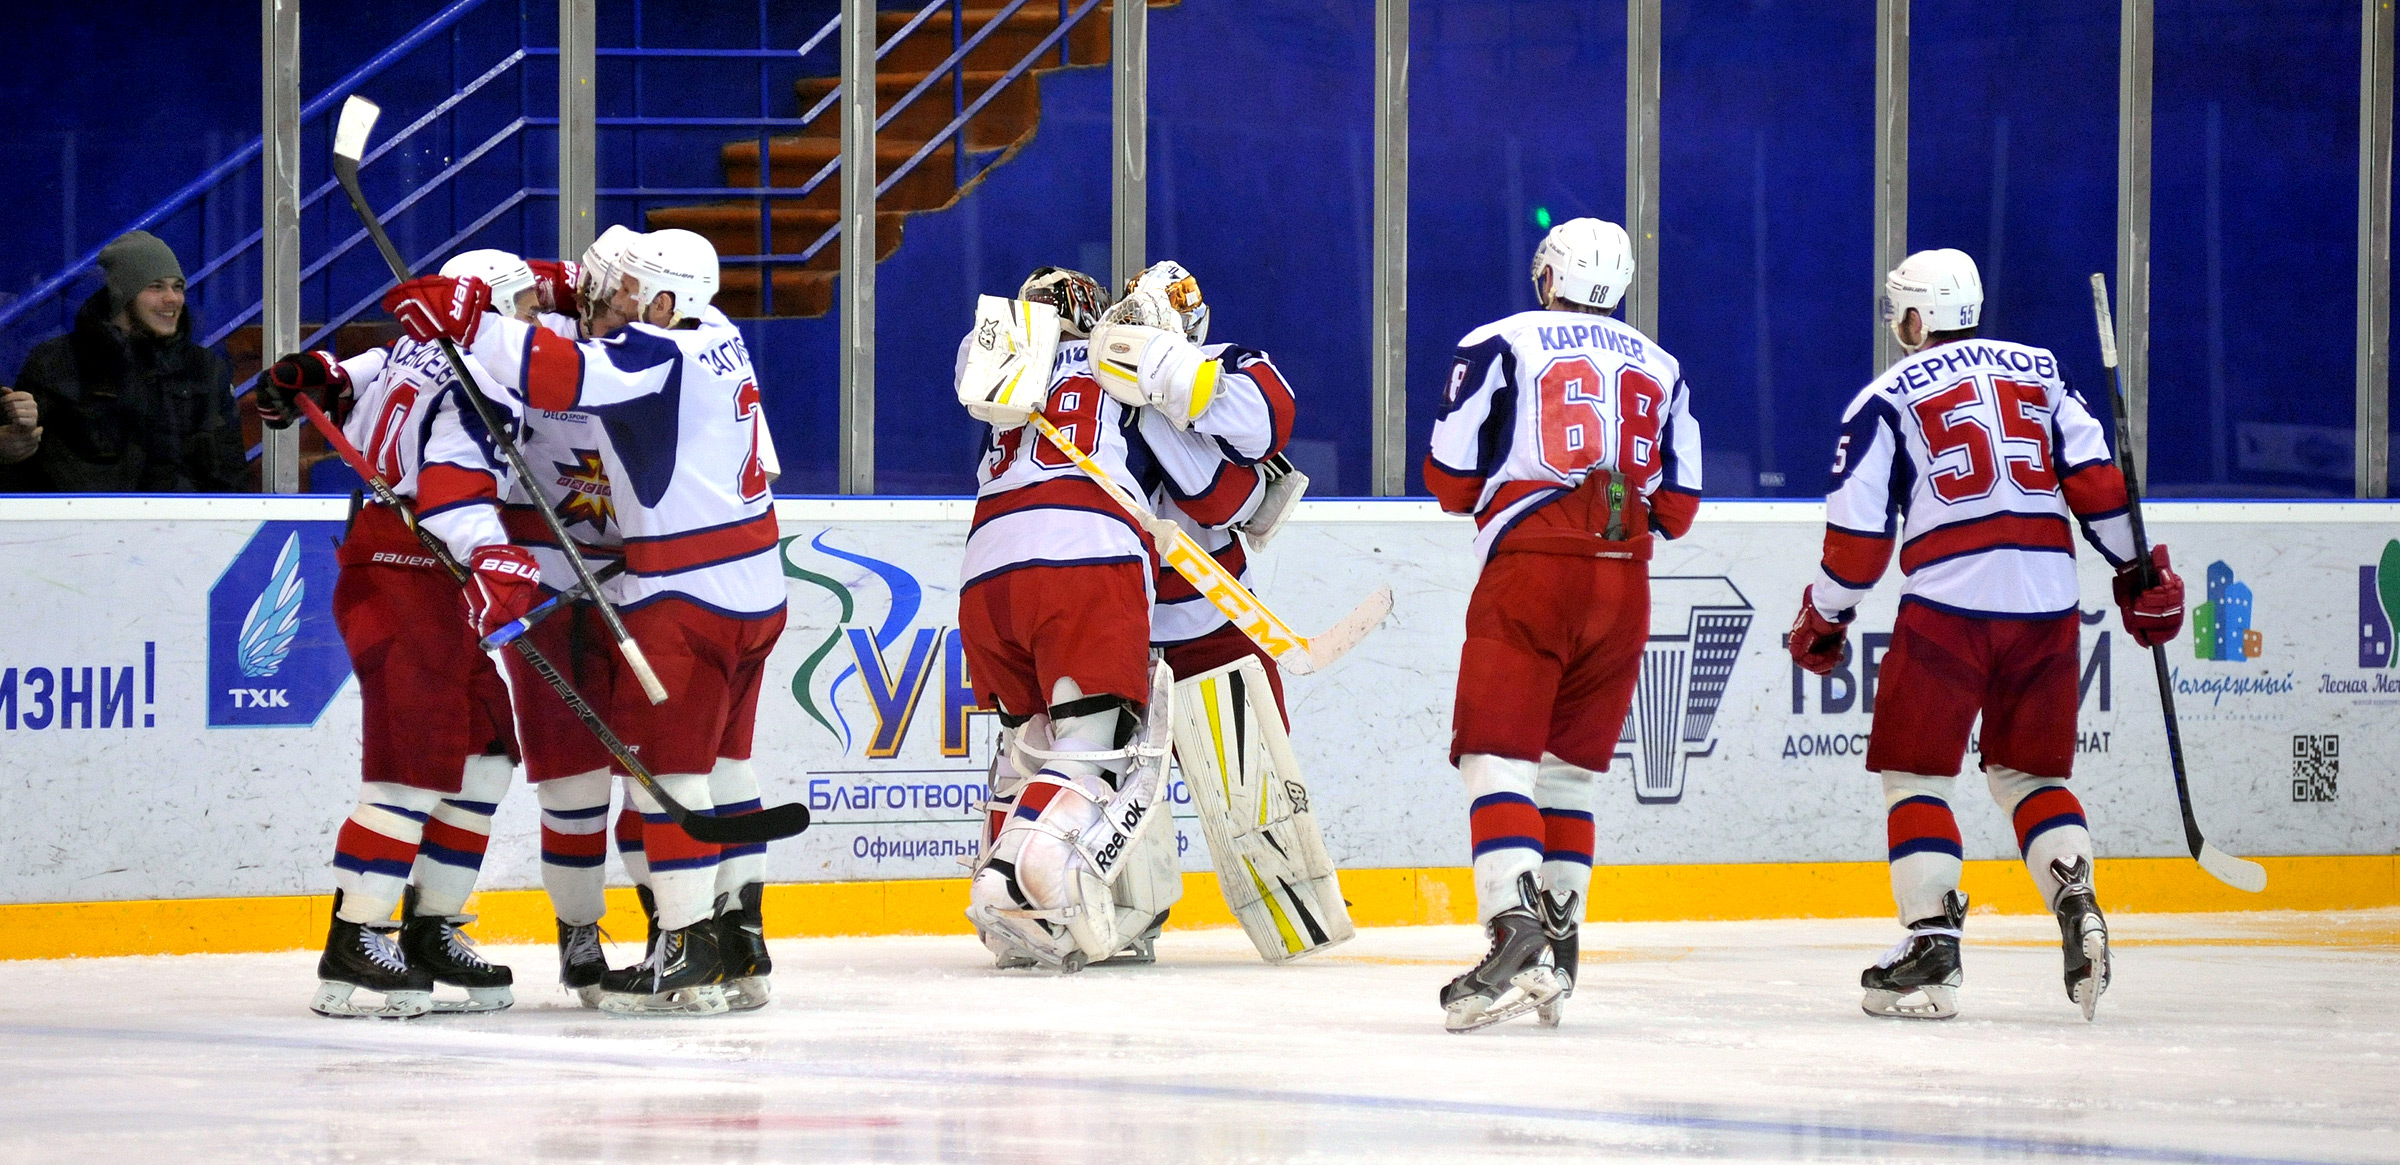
column 179, row 720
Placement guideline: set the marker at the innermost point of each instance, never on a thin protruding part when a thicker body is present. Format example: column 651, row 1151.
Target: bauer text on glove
column 434, row 307
column 503, row 583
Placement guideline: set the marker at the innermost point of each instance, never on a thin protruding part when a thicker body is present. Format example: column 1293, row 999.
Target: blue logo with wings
column 275, row 658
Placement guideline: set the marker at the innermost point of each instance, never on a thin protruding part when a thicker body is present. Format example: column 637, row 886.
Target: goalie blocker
column 1270, row 857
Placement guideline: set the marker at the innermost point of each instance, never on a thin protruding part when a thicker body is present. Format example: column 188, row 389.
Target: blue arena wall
column 1261, row 166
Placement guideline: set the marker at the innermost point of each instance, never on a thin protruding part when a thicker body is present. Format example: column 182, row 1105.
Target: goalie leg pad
column 1254, row 811
column 1047, row 891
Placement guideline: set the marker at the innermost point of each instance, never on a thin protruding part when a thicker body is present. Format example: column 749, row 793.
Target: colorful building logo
column 893, row 661
column 2379, row 608
column 1697, row 625
column 2221, row 626
column 275, row 658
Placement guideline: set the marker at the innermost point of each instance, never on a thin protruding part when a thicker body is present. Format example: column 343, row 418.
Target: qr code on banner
column 2316, row 767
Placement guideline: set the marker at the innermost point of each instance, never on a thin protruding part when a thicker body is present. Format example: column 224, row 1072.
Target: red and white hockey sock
column 376, row 847
column 733, row 784
column 683, row 872
column 458, row 834
column 1925, row 850
column 2049, row 821
column 629, row 841
column 1506, row 828
column 1563, row 792
column 575, row 844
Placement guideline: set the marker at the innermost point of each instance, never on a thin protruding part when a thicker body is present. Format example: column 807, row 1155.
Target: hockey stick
column 2239, row 873
column 771, row 824
column 1297, row 653
column 550, row 606
column 349, row 144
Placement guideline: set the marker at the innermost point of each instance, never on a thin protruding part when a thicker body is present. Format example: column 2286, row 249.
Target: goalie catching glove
column 316, row 374
column 2153, row 614
column 503, row 583
column 1141, row 356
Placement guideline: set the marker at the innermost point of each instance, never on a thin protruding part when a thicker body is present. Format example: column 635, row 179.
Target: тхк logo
column 1697, row 625
column 275, row 658
column 2379, row 608
column 2221, row 626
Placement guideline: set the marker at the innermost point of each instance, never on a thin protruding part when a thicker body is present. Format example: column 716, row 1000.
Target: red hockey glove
column 2152, row 616
column 314, row 374
column 431, row 307
column 1817, row 642
column 554, row 284
column 504, row 583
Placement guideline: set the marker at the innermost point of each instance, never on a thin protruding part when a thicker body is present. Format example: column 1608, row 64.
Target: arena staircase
column 957, row 93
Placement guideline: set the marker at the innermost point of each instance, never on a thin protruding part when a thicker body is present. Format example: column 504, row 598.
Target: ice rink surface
column 2262, row 1037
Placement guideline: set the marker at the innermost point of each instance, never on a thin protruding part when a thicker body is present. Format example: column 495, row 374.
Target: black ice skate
column 1514, row 976
column 742, row 945
column 1562, row 923
column 649, row 920
column 580, row 961
column 435, row 945
column 361, row 956
column 2082, row 932
column 1919, row 978
column 682, row 976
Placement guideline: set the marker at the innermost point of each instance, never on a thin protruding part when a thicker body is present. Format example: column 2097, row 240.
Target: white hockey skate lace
column 462, row 948
column 1900, row 949
column 379, row 947
column 583, row 945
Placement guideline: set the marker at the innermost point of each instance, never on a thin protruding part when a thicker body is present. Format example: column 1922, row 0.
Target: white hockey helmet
column 506, row 274
column 1583, row 260
column 1182, row 292
column 1943, row 286
column 677, row 261
column 604, row 269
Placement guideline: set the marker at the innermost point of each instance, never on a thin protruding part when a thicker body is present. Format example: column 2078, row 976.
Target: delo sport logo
column 275, row 659
column 1697, row 624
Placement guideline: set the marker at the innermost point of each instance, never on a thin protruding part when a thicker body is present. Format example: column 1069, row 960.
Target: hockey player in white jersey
column 1569, row 436
column 439, row 743
column 1971, row 457
column 690, row 467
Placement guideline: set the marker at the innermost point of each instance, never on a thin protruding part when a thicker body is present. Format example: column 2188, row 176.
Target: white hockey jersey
column 402, row 395
column 1536, row 405
column 1206, row 479
column 1033, row 507
column 1970, row 455
column 685, row 454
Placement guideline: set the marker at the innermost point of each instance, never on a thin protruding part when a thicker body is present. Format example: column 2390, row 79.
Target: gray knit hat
column 134, row 261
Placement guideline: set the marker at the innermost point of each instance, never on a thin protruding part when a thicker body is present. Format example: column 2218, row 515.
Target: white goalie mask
column 603, row 269
column 506, row 274
column 1583, row 260
column 1181, row 291
column 1943, row 288
column 676, row 261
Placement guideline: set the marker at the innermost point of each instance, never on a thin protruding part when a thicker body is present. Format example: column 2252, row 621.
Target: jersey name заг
column 1539, row 401
column 1969, row 457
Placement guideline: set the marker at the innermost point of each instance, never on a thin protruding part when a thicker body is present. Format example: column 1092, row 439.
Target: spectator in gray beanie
column 127, row 401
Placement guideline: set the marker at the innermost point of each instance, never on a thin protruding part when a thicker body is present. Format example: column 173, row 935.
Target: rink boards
column 180, row 722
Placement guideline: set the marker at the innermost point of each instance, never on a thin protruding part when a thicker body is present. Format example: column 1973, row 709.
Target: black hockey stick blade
column 773, row 823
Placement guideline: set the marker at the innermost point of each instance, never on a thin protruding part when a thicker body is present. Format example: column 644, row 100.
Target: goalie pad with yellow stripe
column 1254, row 810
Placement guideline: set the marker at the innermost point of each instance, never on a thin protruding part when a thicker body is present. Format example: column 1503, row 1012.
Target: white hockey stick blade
column 1336, row 641
column 2106, row 320
column 2239, row 873
column 350, row 133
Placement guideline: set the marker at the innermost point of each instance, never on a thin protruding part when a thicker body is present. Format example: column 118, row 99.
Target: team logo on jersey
column 586, row 498
column 1697, row 625
column 275, row 658
column 2379, row 609
column 2221, row 626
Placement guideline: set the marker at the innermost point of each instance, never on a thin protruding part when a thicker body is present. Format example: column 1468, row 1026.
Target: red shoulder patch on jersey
column 553, row 371
column 2096, row 490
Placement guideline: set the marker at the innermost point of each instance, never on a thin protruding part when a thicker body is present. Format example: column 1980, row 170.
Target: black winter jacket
column 139, row 415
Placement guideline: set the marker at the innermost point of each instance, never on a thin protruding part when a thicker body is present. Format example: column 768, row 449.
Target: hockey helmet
column 1583, row 260
column 1076, row 296
column 1181, row 291
column 676, row 261
column 506, row 274
column 1942, row 286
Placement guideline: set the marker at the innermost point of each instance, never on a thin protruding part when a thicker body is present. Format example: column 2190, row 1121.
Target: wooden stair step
column 733, row 228
column 792, row 161
column 797, row 292
column 1003, row 121
column 929, row 45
